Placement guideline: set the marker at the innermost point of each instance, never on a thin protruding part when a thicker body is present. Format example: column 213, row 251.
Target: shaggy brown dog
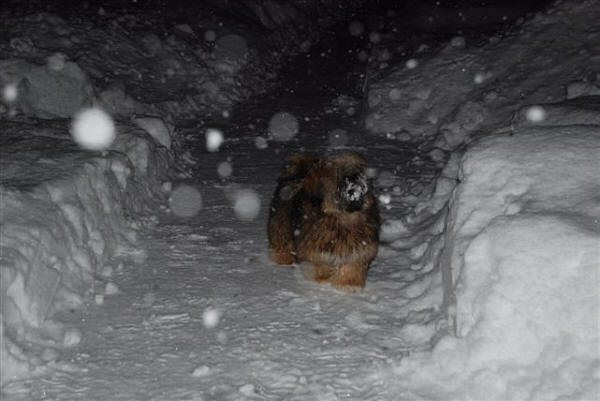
column 324, row 216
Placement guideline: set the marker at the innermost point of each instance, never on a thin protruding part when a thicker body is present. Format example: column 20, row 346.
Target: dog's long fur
column 324, row 215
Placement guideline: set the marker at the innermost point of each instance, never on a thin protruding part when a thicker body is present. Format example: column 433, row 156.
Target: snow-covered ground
column 485, row 286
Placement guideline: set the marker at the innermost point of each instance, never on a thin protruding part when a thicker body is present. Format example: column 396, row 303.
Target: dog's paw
column 348, row 289
column 282, row 258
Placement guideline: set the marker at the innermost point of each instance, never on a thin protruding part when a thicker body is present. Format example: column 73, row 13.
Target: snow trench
column 64, row 214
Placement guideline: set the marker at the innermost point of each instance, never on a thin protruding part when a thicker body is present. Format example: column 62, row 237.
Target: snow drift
column 463, row 90
column 511, row 232
column 64, row 214
column 522, row 261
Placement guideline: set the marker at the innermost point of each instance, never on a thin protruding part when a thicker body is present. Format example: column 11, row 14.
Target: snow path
column 278, row 336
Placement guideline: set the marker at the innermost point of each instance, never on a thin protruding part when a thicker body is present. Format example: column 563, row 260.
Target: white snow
column 515, row 236
column 111, row 289
column 72, row 337
column 522, row 263
column 201, row 371
column 59, row 227
column 458, row 106
column 99, row 299
column 485, row 286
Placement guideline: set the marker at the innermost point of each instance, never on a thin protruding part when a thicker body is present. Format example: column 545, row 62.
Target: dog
column 324, row 216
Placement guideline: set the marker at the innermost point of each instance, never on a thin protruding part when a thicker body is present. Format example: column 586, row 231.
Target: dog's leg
column 281, row 243
column 350, row 277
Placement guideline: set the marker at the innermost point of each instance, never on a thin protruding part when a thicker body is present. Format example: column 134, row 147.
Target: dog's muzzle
column 352, row 191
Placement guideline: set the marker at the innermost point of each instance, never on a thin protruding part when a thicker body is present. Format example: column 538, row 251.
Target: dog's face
column 340, row 182
column 351, row 191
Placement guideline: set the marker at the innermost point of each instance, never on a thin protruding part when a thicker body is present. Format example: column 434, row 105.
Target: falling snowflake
column 283, row 126
column 210, row 36
column 412, row 63
column 10, row 93
column 185, row 201
column 261, row 142
column 214, row 139
column 374, row 37
column 356, row 28
column 210, row 318
column 385, row 199
column 246, row 204
column 224, row 169
column 338, row 138
column 93, row 129
column 535, row 114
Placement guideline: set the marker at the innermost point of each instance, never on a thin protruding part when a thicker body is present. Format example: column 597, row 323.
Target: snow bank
column 511, row 233
column 64, row 214
column 57, row 89
column 207, row 65
column 462, row 90
column 521, row 259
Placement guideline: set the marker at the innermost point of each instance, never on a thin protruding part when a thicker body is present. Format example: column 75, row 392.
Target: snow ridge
column 56, row 236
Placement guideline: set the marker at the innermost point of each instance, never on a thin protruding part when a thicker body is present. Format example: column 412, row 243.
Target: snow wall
column 64, row 214
column 512, row 229
column 522, row 270
column 465, row 89
column 177, row 62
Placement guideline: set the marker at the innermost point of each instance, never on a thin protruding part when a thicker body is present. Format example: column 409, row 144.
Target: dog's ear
column 290, row 190
column 298, row 164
